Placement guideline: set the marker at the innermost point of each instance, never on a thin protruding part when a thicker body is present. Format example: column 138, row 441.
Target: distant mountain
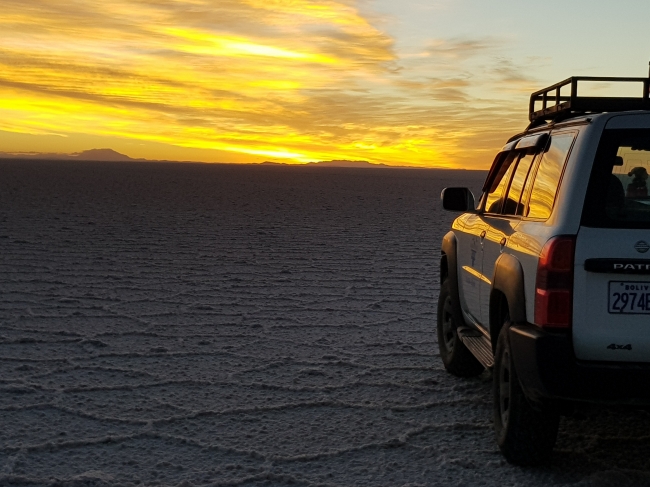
column 101, row 155
column 114, row 156
column 87, row 155
column 364, row 164
column 338, row 163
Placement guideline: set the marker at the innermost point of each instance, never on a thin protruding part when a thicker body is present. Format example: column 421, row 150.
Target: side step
column 478, row 344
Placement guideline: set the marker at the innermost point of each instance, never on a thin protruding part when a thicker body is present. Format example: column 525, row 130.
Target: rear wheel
column 525, row 434
column 456, row 357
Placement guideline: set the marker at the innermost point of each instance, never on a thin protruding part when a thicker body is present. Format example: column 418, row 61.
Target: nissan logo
column 641, row 246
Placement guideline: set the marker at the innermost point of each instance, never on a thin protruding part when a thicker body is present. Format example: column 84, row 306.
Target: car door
column 611, row 312
column 469, row 230
column 502, row 222
column 492, row 202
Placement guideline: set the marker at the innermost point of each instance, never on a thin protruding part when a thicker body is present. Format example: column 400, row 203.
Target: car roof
column 577, row 120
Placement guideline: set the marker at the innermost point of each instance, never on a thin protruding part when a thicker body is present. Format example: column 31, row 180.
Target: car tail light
column 554, row 285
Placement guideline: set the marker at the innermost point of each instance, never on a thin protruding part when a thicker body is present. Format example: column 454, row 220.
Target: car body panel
column 468, row 229
column 595, row 328
column 499, row 229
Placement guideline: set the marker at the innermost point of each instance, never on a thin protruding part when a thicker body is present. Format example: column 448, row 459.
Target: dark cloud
column 514, row 74
column 461, row 49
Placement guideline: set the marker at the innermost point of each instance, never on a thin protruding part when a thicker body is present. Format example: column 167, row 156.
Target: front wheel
column 525, row 434
column 455, row 355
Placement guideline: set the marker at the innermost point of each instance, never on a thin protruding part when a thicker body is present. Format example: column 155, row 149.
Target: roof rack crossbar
column 555, row 104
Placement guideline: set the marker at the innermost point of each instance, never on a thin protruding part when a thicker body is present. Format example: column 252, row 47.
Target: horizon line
column 95, row 155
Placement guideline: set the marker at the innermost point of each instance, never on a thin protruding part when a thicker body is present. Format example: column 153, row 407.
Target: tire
column 456, row 357
column 525, row 434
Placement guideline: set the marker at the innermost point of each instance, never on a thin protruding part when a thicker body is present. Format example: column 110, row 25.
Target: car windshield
column 618, row 195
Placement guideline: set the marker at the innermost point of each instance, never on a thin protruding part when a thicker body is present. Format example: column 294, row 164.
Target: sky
column 436, row 83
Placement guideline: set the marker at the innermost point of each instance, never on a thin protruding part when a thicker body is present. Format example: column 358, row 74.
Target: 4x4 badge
column 642, row 246
column 613, row 346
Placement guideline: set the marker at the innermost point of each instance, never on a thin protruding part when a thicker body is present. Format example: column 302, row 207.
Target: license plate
column 627, row 297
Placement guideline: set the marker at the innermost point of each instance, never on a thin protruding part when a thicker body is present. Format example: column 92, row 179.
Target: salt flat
column 180, row 324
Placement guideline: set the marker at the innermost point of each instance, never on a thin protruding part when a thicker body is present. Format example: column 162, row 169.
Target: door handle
column 483, row 233
column 503, row 243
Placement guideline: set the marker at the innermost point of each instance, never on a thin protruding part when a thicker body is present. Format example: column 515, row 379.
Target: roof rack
column 565, row 106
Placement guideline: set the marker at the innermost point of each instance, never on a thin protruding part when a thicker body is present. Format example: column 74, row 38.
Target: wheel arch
column 449, row 268
column 507, row 295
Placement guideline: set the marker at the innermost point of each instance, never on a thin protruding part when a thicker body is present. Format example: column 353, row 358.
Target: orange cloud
column 291, row 80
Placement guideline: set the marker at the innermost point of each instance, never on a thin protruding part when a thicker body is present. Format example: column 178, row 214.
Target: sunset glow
column 251, row 80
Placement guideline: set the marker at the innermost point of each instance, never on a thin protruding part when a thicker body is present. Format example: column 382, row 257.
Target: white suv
column 547, row 279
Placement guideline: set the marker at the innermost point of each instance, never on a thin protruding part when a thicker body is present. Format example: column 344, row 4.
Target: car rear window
column 618, row 195
column 547, row 179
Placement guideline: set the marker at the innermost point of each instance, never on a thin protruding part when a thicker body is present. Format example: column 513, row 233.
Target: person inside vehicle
column 615, row 196
column 638, row 188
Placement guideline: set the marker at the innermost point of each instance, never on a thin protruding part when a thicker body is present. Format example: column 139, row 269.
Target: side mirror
column 457, row 199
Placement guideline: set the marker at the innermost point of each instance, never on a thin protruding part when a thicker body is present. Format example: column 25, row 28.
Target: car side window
column 513, row 204
column 549, row 173
column 496, row 190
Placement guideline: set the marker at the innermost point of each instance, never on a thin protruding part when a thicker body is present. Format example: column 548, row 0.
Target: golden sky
column 255, row 80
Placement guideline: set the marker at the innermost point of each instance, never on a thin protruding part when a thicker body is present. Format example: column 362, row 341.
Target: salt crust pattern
column 205, row 325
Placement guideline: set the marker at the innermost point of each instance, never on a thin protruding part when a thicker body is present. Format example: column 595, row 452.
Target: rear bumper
column 547, row 368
